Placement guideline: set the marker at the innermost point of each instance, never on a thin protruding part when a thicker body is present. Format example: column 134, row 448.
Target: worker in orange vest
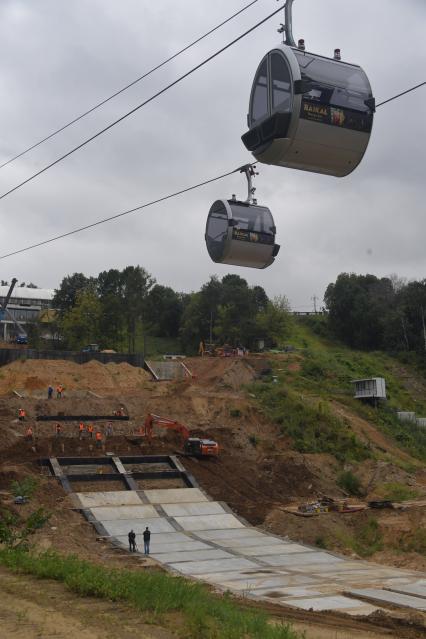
column 90, row 430
column 58, row 430
column 21, row 414
column 98, row 437
column 81, row 429
column 29, row 435
column 59, row 391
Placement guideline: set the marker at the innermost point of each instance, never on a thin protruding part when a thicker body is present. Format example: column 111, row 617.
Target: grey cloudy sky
column 58, row 58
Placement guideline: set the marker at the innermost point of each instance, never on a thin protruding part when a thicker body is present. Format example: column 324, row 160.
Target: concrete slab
column 275, row 549
column 190, row 555
column 113, row 498
column 239, row 581
column 248, row 542
column 174, row 495
column 388, row 597
column 416, row 589
column 232, row 535
column 182, row 546
column 161, row 539
column 209, row 522
column 279, row 592
column 337, row 602
column 213, row 565
column 188, row 509
column 300, row 559
column 287, row 549
column 110, row 513
column 121, row 527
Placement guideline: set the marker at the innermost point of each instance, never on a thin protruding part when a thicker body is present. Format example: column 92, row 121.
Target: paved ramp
column 195, row 536
column 168, row 370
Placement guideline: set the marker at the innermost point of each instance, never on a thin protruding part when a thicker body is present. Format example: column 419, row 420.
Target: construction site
column 186, row 449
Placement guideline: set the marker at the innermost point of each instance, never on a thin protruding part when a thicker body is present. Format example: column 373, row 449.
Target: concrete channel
column 203, row 539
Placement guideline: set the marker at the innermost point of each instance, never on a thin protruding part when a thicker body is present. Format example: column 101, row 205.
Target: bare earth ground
column 257, row 481
column 32, row 609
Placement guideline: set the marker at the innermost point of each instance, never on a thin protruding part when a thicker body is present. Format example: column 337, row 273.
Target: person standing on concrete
column 108, row 430
column 132, row 541
column 29, row 435
column 21, row 415
column 90, row 430
column 58, row 430
column 49, row 392
column 59, row 390
column 146, row 540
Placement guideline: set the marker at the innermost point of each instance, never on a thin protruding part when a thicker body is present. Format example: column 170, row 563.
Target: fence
column 8, row 355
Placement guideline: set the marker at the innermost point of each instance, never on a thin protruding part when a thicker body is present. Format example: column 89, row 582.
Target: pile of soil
column 31, row 376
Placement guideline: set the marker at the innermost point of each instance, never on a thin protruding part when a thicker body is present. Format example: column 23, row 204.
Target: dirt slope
column 257, row 473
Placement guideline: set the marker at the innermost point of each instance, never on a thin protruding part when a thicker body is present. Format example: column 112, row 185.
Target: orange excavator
column 193, row 446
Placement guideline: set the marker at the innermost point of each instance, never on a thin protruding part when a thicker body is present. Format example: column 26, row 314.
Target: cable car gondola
column 308, row 111
column 241, row 233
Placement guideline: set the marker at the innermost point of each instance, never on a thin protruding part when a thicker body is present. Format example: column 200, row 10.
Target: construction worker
column 108, row 430
column 90, row 430
column 29, row 434
column 59, row 391
column 58, row 430
column 98, row 438
column 21, row 414
column 81, row 429
column 146, row 540
column 49, row 392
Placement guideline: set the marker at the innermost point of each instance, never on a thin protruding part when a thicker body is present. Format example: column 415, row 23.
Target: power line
column 144, row 206
column 399, row 94
column 122, row 214
column 128, row 86
column 139, row 106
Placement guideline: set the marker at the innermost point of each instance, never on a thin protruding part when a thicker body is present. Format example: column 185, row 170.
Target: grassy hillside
column 311, row 388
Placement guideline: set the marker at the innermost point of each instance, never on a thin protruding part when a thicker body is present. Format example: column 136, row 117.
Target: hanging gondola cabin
column 309, row 112
column 241, row 234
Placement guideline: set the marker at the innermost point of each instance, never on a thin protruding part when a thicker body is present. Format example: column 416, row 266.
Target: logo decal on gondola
column 315, row 111
column 337, row 116
column 251, row 236
column 345, row 118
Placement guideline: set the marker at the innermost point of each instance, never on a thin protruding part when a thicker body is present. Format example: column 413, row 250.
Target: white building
column 24, row 306
column 372, row 388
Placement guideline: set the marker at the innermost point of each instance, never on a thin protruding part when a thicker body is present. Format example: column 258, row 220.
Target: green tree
column 109, row 289
column 136, row 283
column 80, row 325
column 273, row 323
column 66, row 295
column 164, row 311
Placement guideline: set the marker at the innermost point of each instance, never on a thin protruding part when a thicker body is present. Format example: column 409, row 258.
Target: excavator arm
column 192, row 445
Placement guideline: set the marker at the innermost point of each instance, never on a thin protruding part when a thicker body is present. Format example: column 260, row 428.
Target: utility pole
column 314, row 299
column 211, row 327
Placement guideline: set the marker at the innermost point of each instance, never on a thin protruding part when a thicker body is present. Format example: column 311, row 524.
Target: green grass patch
column 313, row 428
column 24, row 488
column 394, row 491
column 349, row 483
column 205, row 615
column 328, row 368
column 367, row 541
column 414, row 543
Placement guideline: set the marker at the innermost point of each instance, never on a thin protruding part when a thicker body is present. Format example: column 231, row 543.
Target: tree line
column 372, row 313
column 118, row 308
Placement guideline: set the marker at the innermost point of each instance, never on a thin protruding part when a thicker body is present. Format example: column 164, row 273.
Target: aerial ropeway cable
column 139, row 106
column 127, row 86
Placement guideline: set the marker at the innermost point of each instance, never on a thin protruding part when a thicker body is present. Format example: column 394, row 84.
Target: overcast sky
column 58, row 58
